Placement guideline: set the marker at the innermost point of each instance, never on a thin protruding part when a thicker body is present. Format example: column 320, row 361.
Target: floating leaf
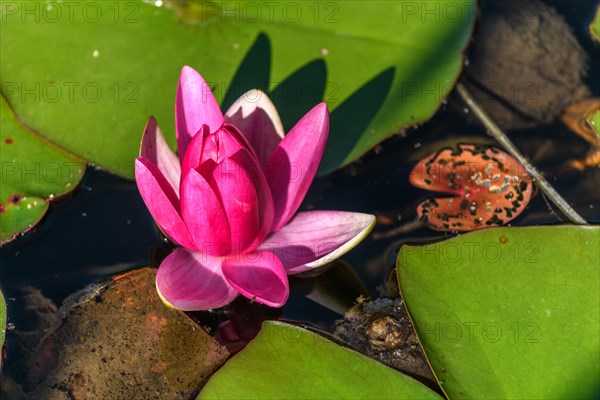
column 508, row 313
column 33, row 172
column 103, row 67
column 489, row 186
column 285, row 361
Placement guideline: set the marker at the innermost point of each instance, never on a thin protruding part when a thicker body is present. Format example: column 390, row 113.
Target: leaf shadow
column 350, row 120
column 300, row 92
column 305, row 88
column 253, row 73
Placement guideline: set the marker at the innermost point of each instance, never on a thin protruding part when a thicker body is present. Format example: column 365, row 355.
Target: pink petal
column 189, row 280
column 155, row 148
column 314, row 238
column 294, row 162
column 161, row 200
column 256, row 117
column 214, row 146
column 195, row 105
column 240, row 138
column 193, row 155
column 204, row 216
column 259, row 276
column 245, row 197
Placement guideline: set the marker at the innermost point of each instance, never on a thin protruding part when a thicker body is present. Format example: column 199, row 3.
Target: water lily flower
column 489, row 188
column 230, row 199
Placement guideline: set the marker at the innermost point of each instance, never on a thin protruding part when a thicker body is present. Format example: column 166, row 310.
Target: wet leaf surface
column 108, row 66
column 510, row 313
column 116, row 339
column 285, row 361
column 491, row 188
column 33, row 173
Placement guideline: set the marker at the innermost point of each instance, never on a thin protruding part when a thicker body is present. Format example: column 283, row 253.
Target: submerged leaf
column 489, row 186
column 116, row 339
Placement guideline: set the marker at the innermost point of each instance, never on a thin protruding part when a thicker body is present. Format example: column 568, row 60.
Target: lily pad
column 509, row 313
column 33, row 172
column 285, row 361
column 490, row 188
column 88, row 74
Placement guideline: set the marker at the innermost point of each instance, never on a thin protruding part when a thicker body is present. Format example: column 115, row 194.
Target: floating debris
column 490, row 188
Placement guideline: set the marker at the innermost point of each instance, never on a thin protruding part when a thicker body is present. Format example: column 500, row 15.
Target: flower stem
column 494, row 131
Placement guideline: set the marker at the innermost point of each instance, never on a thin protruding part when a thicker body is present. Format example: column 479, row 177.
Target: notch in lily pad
column 489, row 188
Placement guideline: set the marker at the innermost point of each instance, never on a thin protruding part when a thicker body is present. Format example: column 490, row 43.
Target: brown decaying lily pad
column 119, row 341
column 489, row 186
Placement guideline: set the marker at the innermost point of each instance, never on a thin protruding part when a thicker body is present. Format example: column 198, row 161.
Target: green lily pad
column 511, row 313
column 33, row 172
column 595, row 26
column 288, row 362
column 88, row 74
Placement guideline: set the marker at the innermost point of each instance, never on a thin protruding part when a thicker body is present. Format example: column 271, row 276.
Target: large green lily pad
column 33, row 172
column 288, row 362
column 510, row 313
column 88, row 74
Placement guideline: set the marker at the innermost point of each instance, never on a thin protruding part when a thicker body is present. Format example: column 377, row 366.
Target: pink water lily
column 230, row 199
